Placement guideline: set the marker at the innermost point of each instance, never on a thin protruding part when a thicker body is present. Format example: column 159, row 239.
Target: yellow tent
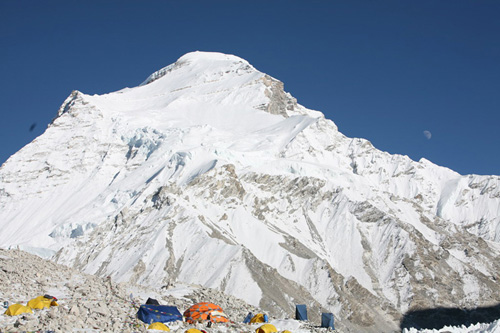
column 193, row 330
column 286, row 331
column 41, row 302
column 17, row 309
column 258, row 318
column 266, row 328
column 158, row 326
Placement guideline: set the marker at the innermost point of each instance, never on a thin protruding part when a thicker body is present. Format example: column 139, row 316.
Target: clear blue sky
column 384, row 70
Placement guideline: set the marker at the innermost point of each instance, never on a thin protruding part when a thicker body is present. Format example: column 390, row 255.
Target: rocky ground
column 91, row 304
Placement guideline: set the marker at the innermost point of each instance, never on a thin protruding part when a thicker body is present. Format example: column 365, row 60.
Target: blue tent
column 327, row 320
column 149, row 313
column 300, row 312
column 248, row 318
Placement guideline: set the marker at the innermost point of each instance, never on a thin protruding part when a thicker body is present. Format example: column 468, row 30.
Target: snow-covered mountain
column 210, row 173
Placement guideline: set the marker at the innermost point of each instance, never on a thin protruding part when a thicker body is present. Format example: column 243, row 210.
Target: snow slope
column 210, row 173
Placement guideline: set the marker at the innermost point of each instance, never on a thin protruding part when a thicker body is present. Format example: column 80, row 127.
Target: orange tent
column 205, row 311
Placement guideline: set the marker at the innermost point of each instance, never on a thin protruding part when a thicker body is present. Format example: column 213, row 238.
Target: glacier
column 210, row 173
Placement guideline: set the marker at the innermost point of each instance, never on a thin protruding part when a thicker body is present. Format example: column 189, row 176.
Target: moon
column 428, row 134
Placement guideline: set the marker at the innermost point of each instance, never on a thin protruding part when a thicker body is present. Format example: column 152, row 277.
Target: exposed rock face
column 279, row 101
column 211, row 174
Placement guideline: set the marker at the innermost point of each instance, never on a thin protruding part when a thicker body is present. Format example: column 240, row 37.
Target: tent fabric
column 286, row 331
column 152, row 301
column 193, row 330
column 50, row 297
column 300, row 312
column 205, row 311
column 158, row 313
column 42, row 302
column 159, row 327
column 258, row 318
column 17, row 309
column 266, row 328
column 218, row 317
column 327, row 320
column 248, row 318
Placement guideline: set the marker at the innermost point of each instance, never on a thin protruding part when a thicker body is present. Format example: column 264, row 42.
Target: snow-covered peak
column 201, row 60
column 206, row 89
column 201, row 56
column 210, row 173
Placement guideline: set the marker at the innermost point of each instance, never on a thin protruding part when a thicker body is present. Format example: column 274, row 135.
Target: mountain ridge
column 214, row 149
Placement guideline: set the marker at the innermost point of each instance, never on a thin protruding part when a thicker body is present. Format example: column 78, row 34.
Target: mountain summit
column 210, row 173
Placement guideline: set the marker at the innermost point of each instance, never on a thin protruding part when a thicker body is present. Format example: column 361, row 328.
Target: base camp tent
column 159, row 327
column 259, row 318
column 327, row 320
column 42, row 302
column 152, row 301
column 266, row 328
column 158, row 313
column 300, row 312
column 205, row 311
column 17, row 309
column 248, row 318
